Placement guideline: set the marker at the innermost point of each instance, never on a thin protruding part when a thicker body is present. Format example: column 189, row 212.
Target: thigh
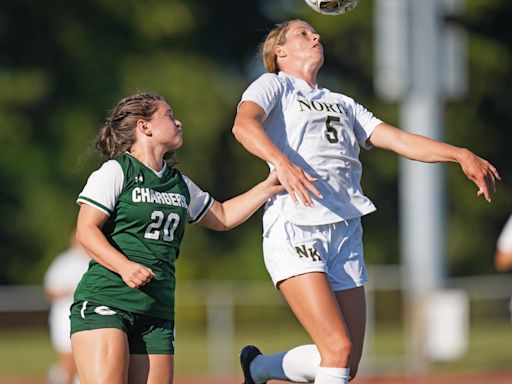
column 314, row 304
column 352, row 303
column 291, row 250
column 151, row 369
column 101, row 356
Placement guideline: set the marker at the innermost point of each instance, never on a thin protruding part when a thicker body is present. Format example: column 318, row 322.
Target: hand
column 136, row 275
column 296, row 182
column 273, row 182
column 480, row 172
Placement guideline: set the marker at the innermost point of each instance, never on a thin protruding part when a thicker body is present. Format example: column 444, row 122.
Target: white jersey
column 320, row 131
column 505, row 239
column 60, row 280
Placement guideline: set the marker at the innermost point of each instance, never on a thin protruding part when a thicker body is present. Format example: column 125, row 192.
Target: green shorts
column 147, row 335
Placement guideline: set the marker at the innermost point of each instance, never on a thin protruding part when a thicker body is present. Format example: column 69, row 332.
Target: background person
column 312, row 235
column 503, row 255
column 132, row 217
column 60, row 281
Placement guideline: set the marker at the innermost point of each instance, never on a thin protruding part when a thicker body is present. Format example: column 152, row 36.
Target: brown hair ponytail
column 118, row 132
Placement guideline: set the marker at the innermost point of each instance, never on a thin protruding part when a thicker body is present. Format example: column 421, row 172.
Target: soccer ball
column 332, row 7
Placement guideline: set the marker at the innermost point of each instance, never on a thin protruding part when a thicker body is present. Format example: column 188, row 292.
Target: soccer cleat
column 247, row 355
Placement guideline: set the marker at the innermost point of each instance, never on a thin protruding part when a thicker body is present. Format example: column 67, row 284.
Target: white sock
column 325, row 375
column 300, row 364
column 267, row 367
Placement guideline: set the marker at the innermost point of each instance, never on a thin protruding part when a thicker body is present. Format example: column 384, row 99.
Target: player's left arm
column 421, row 148
column 233, row 212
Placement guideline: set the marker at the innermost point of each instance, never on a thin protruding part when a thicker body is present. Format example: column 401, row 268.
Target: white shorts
column 335, row 249
column 60, row 328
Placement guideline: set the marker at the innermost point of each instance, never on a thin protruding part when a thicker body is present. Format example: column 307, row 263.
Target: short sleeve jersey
column 321, row 131
column 147, row 213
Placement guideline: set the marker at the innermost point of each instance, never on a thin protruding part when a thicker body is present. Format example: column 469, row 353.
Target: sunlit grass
column 26, row 352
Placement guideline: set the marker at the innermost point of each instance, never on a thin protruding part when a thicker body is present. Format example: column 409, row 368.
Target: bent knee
column 337, row 354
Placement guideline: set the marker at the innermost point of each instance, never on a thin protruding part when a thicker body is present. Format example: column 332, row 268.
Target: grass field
column 26, row 352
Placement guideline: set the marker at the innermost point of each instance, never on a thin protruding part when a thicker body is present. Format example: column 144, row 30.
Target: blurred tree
column 62, row 66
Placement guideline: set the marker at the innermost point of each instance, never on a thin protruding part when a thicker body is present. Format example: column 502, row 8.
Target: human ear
column 142, row 126
column 280, row 51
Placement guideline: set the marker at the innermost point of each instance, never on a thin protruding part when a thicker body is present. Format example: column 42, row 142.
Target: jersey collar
column 299, row 83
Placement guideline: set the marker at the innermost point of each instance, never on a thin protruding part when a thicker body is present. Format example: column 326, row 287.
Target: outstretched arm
column 250, row 133
column 90, row 236
column 233, row 212
column 421, row 148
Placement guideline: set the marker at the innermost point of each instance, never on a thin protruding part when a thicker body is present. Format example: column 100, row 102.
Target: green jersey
column 147, row 212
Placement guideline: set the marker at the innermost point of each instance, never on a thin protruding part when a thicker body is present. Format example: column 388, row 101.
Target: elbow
column 80, row 237
column 236, row 131
column 503, row 261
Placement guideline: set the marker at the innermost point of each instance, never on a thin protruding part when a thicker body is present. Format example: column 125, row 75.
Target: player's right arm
column 89, row 235
column 248, row 130
column 503, row 256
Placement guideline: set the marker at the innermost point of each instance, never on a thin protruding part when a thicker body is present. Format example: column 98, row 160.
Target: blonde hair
column 277, row 36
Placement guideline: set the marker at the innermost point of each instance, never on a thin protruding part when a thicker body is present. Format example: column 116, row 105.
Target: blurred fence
column 221, row 308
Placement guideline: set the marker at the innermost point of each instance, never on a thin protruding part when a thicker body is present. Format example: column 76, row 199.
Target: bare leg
column 352, row 303
column 67, row 364
column 151, row 369
column 314, row 304
column 101, row 356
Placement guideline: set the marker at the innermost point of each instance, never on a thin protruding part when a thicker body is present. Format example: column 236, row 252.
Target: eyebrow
column 302, row 28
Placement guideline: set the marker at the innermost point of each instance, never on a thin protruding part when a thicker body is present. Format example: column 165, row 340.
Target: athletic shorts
column 335, row 249
column 58, row 321
column 147, row 335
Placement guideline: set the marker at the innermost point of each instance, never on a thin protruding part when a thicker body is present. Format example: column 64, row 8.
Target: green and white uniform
column 147, row 216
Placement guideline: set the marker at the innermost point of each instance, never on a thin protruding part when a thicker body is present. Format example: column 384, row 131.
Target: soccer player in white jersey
column 60, row 281
column 133, row 213
column 503, row 255
column 312, row 235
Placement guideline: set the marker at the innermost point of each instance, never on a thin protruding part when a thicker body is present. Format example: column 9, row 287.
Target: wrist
column 461, row 154
column 278, row 160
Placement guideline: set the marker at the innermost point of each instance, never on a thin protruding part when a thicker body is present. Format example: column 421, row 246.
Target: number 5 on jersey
column 331, row 133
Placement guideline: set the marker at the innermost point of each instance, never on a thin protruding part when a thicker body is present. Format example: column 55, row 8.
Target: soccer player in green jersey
column 132, row 217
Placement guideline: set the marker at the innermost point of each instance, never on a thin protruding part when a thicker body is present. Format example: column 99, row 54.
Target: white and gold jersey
column 320, row 131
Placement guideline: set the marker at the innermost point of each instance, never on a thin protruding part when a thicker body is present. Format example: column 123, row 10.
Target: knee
column 337, row 353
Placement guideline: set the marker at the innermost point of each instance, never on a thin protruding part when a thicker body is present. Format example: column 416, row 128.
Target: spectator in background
column 60, row 282
column 503, row 256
